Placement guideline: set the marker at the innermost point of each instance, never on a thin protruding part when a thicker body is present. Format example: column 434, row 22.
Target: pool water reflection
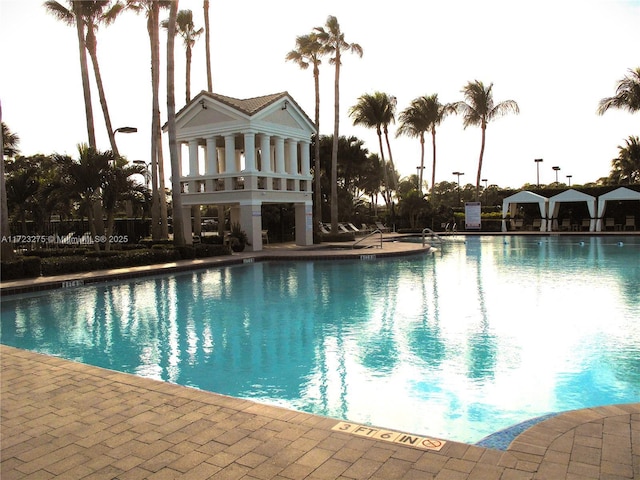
column 489, row 332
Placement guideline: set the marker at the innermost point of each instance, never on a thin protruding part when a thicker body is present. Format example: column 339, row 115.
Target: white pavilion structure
column 243, row 153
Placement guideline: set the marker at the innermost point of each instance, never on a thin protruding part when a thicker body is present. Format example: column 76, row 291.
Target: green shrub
column 204, row 250
column 31, row 266
column 187, row 252
column 11, row 269
column 212, row 240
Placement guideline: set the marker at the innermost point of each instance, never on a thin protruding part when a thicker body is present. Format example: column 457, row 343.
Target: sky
column 555, row 58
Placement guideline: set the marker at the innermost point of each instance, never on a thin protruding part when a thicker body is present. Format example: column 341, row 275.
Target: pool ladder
column 433, row 235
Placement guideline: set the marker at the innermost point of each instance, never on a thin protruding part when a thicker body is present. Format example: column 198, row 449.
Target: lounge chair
column 566, row 224
column 353, row 227
column 265, row 236
column 518, row 223
column 586, row 224
column 630, row 222
column 365, row 228
column 609, row 224
column 343, row 228
column 324, row 229
column 537, row 224
column 381, row 227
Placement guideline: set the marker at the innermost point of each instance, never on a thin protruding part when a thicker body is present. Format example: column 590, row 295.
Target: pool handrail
column 376, row 231
column 433, row 235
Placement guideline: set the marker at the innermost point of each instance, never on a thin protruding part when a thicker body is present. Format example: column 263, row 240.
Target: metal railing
column 377, row 243
column 432, row 234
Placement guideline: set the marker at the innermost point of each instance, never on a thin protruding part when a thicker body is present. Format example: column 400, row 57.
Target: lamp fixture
column 201, row 102
column 285, row 105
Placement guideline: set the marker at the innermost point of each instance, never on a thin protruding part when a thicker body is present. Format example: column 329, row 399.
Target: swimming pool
column 488, row 333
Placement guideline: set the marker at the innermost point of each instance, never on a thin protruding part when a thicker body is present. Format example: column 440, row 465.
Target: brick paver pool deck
column 62, row 419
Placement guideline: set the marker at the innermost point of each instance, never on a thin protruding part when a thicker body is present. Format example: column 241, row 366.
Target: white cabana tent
column 572, row 195
column 621, row 193
column 509, row 206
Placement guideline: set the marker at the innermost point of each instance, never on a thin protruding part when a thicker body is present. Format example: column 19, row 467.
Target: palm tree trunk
column 393, row 167
column 188, row 76
column 318, row 193
column 207, row 46
column 178, row 232
column 84, row 70
column 484, row 129
column 164, row 224
column 387, row 194
column 334, row 148
column 433, row 148
column 154, row 38
column 92, row 47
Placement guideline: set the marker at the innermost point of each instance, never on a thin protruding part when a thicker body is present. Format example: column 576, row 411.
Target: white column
column 292, row 156
column 193, row 158
column 280, row 155
column 304, row 223
column 250, row 152
column 211, row 166
column 305, row 158
column 229, row 153
column 265, row 152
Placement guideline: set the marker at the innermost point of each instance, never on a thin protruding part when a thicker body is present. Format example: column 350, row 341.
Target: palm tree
column 187, row 30
column 10, row 148
column 478, row 108
column 178, row 232
column 376, row 111
column 424, row 114
column 332, row 40
column 307, row 53
column 84, row 178
column 159, row 225
column 627, row 165
column 118, row 186
column 205, row 6
column 627, row 94
column 74, row 16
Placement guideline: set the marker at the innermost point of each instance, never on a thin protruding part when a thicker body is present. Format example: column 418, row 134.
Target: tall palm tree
column 307, row 52
column 627, row 94
column 178, row 222
column 376, row 111
column 74, row 16
column 205, row 7
column 627, row 165
column 478, row 109
column 424, row 114
column 333, row 44
column 159, row 224
column 95, row 13
column 187, row 30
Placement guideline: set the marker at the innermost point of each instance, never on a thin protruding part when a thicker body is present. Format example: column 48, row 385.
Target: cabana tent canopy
column 509, row 206
column 572, row 195
column 621, row 193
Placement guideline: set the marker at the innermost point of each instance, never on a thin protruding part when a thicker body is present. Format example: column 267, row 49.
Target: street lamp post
column 485, row 190
column 458, row 174
column 147, row 168
column 569, row 177
column 121, row 130
column 557, row 169
column 538, row 160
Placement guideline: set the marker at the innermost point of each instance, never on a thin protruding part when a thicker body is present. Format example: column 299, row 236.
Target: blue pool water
column 487, row 333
